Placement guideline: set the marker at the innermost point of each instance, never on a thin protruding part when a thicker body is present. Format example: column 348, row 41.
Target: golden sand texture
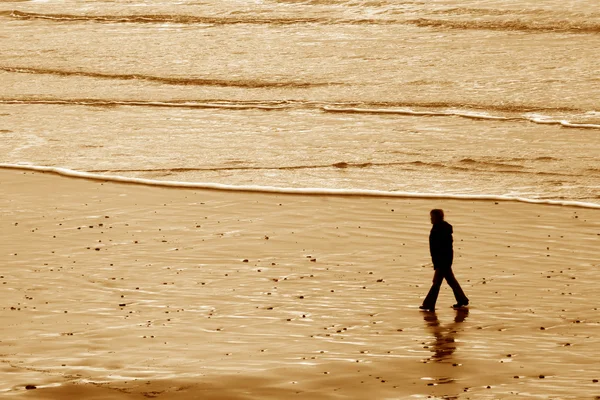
column 116, row 291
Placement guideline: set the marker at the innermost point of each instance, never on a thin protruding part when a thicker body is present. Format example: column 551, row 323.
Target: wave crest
column 248, row 105
column 436, row 109
column 158, row 18
column 562, row 26
column 241, row 83
column 475, row 114
column 578, row 25
column 191, row 19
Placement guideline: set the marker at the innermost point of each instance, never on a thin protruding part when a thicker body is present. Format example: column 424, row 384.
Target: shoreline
column 65, row 172
column 120, row 291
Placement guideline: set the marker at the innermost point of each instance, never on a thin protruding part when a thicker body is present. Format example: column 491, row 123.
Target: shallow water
column 429, row 97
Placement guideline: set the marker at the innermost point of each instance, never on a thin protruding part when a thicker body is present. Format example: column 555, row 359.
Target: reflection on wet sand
column 445, row 345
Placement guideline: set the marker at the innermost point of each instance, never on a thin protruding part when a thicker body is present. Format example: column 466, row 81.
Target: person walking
column 442, row 255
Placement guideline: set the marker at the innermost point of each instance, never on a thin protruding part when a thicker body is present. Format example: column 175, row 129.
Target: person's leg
column 431, row 299
column 459, row 295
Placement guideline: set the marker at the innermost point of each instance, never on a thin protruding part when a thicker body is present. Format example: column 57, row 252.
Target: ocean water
column 441, row 97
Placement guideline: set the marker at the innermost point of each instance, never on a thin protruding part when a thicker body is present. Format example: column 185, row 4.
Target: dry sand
column 116, row 291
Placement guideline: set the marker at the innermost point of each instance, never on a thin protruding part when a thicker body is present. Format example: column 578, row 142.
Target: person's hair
column 437, row 214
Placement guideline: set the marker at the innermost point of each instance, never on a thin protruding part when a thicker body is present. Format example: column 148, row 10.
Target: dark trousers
column 438, row 277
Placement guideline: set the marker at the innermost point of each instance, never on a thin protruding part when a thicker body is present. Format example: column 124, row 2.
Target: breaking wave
column 475, row 114
column 425, row 109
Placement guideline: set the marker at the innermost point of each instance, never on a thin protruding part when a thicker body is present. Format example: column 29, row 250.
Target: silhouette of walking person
column 442, row 255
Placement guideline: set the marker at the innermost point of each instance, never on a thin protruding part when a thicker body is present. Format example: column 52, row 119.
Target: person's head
column 437, row 215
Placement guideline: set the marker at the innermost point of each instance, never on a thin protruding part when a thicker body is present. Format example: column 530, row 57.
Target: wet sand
column 119, row 291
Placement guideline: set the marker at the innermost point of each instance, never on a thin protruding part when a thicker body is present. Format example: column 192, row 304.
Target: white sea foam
column 567, row 124
column 537, row 119
column 406, row 111
column 282, row 190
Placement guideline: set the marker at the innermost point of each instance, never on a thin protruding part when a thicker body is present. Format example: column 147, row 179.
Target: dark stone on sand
column 245, row 260
column 542, row 376
column 122, row 305
column 30, row 387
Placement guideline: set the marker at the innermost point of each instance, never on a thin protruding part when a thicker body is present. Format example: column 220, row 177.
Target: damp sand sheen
column 115, row 290
column 230, row 200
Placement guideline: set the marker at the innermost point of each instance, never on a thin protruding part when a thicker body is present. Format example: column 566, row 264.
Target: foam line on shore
column 277, row 190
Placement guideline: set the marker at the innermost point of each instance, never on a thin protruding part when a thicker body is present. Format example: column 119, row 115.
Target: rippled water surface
column 448, row 97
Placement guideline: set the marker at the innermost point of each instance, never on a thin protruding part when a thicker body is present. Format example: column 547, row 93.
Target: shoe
column 460, row 305
column 424, row 308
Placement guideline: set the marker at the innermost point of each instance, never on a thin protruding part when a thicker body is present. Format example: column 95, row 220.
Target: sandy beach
column 120, row 291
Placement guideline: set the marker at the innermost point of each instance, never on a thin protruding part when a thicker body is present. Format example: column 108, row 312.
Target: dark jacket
column 440, row 245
